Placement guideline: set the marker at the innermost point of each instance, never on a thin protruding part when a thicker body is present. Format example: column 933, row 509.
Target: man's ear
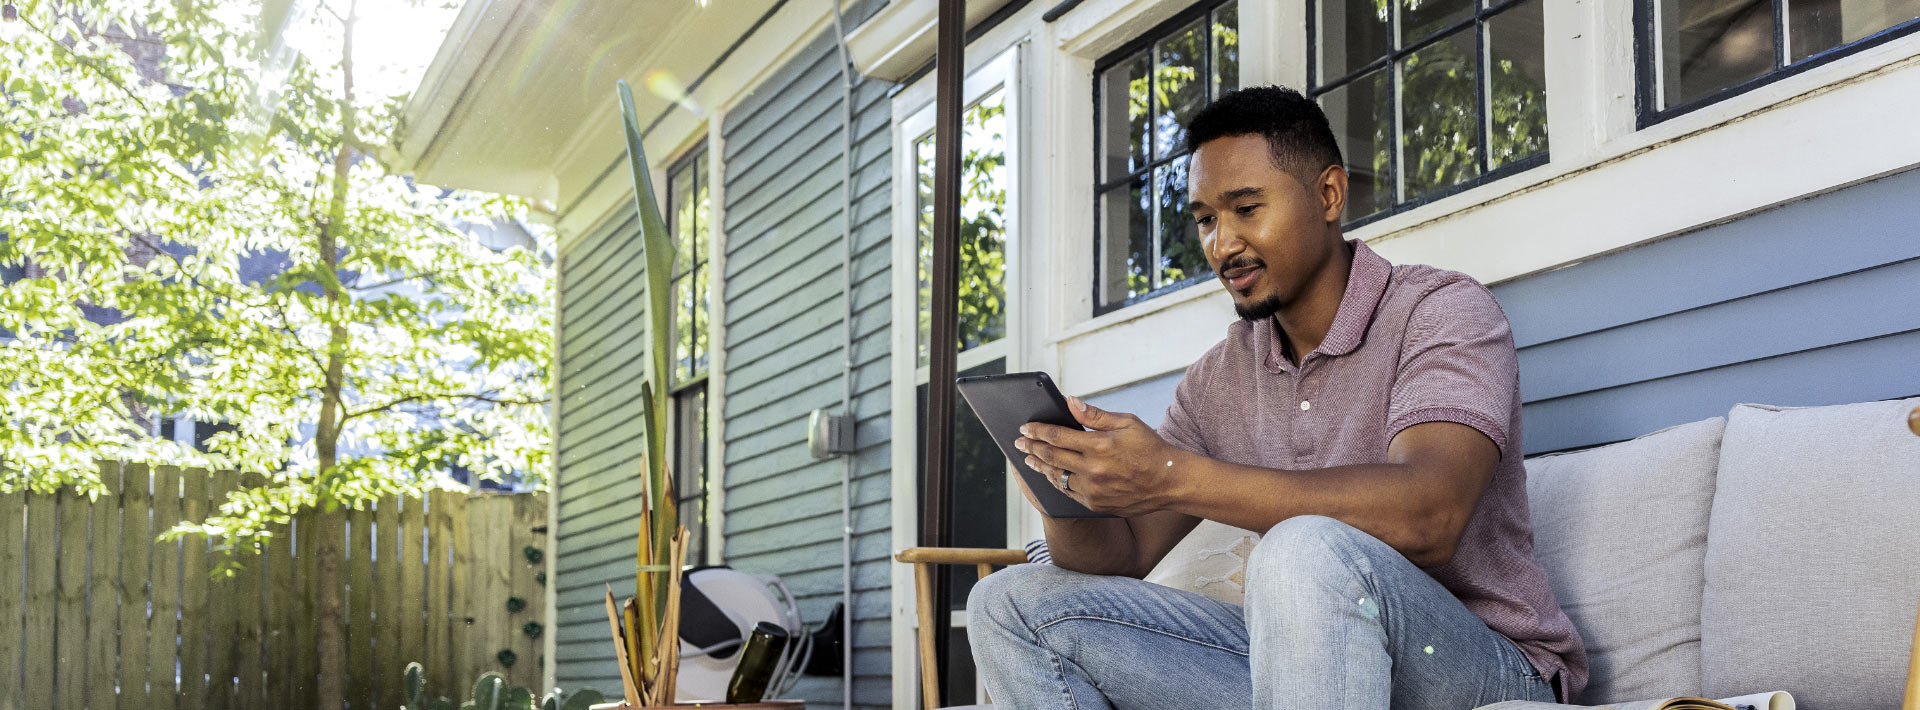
column 1332, row 188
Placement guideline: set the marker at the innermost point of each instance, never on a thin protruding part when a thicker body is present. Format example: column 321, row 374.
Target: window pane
column 1816, row 26
column 1519, row 79
column 1126, row 242
column 1419, row 19
column 1440, row 138
column 982, row 288
column 690, row 467
column 923, row 248
column 1351, row 33
column 701, row 296
column 1180, row 255
column 983, row 223
column 1226, row 48
column 682, row 302
column 1361, row 114
column 1123, row 117
column 702, row 208
column 1709, row 45
column 683, row 200
column 1179, row 93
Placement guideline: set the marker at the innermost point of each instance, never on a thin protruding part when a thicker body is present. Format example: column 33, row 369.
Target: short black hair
column 1296, row 130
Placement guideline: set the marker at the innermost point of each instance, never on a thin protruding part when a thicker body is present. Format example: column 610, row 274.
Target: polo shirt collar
column 1366, row 285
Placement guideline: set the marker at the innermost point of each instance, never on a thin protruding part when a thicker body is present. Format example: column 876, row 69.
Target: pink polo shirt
column 1410, row 344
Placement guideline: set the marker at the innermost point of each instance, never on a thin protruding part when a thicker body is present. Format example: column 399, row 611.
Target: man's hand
column 1121, row 467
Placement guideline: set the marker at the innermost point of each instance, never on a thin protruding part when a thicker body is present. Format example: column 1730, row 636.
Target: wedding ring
column 1063, row 481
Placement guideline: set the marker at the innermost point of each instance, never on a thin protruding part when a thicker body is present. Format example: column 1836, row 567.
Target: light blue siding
column 786, row 349
column 1810, row 303
column 602, row 355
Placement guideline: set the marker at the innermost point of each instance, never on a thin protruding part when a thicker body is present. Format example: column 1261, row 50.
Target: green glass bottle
column 757, row 663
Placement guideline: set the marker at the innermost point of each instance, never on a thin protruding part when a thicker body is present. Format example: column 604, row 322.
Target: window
column 1428, row 97
column 1143, row 96
column 1696, row 52
column 687, row 221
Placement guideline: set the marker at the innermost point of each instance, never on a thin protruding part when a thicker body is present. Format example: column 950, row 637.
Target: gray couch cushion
column 1813, row 555
column 1622, row 532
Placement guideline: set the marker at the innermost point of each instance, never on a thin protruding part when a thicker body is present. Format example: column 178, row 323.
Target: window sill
column 1137, row 311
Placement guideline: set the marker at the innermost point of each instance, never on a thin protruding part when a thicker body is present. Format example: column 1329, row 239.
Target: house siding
column 602, row 354
column 1810, row 303
column 785, row 349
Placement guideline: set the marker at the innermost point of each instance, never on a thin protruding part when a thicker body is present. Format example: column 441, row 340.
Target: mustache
column 1246, row 262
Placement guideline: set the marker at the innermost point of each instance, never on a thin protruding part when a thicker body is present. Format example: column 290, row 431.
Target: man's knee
column 1309, row 545
column 1001, row 595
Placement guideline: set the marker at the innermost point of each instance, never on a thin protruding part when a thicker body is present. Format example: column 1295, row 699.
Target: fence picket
column 249, row 653
column 42, row 596
column 195, row 569
column 277, row 634
column 102, row 619
column 163, row 688
column 306, row 653
column 526, row 517
column 439, row 628
column 413, row 572
column 13, row 542
column 222, row 602
column 359, row 618
column 70, row 621
column 467, row 654
column 136, row 546
column 386, row 604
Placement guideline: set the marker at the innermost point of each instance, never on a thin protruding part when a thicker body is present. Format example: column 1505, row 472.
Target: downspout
column 846, row 379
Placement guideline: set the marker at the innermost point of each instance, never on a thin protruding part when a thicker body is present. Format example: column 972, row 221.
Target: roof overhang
column 898, row 40
column 520, row 97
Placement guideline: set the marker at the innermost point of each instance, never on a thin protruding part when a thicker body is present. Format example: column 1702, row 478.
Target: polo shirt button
column 1305, row 405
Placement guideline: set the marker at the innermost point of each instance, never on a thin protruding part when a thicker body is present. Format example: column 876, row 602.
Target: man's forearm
column 1093, row 545
column 1413, row 511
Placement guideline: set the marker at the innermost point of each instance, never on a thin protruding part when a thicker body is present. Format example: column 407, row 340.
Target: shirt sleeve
column 1181, row 425
column 1457, row 364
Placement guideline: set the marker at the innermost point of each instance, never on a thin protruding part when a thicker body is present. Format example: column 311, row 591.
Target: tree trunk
column 332, row 636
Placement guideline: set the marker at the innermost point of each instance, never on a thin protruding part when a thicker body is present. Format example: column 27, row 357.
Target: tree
column 205, row 230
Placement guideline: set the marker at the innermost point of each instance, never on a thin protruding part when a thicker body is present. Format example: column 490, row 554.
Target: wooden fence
column 95, row 613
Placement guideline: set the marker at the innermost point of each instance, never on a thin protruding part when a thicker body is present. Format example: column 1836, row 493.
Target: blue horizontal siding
column 786, row 350
column 1809, row 303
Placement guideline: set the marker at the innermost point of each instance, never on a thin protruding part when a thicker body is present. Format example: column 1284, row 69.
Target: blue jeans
column 1334, row 618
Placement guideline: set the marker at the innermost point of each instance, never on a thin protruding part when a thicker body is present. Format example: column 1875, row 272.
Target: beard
column 1255, row 310
column 1258, row 310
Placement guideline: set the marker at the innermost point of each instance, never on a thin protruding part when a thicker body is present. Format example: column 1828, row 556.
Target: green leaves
column 159, row 214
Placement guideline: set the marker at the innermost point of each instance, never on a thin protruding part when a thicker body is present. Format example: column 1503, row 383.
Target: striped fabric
column 1037, row 552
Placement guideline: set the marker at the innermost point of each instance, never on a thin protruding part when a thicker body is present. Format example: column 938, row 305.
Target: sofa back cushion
column 1813, row 555
column 1622, row 532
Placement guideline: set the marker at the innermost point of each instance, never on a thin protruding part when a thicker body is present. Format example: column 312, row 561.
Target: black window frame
column 684, row 387
column 1199, row 11
column 1646, row 62
column 1482, row 13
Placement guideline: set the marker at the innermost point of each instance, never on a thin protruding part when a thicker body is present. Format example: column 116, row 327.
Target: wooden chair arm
column 961, row 556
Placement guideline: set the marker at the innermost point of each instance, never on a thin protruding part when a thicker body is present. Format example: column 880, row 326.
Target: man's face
column 1263, row 229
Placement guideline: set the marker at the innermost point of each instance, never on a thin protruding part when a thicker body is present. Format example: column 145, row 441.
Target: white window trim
column 716, row 339
column 993, row 61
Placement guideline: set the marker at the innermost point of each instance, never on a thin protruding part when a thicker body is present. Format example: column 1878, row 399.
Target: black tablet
column 1004, row 403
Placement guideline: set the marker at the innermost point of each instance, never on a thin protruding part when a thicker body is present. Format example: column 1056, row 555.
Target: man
column 1365, row 417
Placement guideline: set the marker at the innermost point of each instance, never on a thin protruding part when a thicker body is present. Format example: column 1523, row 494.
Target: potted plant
column 646, row 627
